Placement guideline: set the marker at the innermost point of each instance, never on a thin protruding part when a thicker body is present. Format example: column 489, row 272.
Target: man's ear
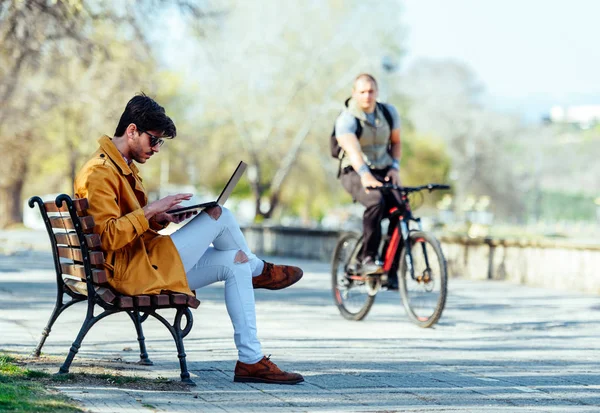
column 131, row 128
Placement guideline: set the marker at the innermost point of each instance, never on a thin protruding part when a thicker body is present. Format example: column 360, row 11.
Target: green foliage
column 562, row 206
column 424, row 160
column 65, row 76
column 271, row 107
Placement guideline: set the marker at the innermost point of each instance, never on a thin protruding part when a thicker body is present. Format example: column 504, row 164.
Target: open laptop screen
column 227, row 190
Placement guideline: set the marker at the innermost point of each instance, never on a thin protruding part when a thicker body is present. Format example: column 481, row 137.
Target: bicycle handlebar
column 409, row 189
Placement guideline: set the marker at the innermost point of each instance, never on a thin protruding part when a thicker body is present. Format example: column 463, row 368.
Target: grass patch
column 20, row 390
column 105, row 379
column 27, row 385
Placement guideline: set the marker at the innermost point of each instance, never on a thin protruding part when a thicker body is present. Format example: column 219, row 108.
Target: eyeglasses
column 154, row 140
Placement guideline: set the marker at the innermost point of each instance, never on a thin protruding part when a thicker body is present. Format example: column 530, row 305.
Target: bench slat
column 70, row 238
column 179, row 299
column 76, row 286
column 80, row 205
column 124, row 301
column 160, row 300
column 98, row 276
column 142, row 301
column 192, row 302
column 106, row 294
column 80, row 287
column 87, row 222
column 96, row 257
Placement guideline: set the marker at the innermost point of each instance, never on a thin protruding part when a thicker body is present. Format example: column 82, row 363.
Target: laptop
column 227, row 190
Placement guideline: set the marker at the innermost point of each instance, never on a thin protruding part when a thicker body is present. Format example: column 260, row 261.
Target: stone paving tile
column 105, row 400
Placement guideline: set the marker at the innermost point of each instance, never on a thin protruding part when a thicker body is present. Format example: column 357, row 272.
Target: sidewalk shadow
column 26, row 260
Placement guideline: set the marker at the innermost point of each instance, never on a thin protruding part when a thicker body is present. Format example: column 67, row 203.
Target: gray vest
column 374, row 140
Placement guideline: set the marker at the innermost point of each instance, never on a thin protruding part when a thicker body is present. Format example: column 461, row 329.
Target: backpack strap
column 386, row 114
column 339, row 169
column 388, row 117
column 359, row 128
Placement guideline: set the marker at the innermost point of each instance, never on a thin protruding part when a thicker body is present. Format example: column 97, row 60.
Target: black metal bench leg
column 88, row 323
column 75, row 347
column 137, row 321
column 47, row 329
column 58, row 309
column 178, row 334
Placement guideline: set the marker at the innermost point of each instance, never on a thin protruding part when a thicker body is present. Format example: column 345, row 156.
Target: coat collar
column 107, row 145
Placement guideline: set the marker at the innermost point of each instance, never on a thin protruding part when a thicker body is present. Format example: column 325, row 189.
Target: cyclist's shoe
column 265, row 371
column 392, row 284
column 368, row 266
column 276, row 277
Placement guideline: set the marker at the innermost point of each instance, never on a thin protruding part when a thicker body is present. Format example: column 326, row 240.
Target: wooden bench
column 81, row 277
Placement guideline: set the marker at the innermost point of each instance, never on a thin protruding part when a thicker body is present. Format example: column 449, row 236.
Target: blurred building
column 584, row 116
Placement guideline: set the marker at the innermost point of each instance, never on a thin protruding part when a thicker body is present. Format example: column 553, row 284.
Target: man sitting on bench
column 141, row 261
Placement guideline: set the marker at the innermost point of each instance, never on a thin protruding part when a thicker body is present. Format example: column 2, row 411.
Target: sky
column 528, row 54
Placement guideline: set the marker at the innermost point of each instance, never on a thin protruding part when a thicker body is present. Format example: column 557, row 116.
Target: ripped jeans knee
column 214, row 212
column 240, row 257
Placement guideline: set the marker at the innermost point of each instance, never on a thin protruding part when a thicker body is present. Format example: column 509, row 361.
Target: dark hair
column 368, row 77
column 147, row 116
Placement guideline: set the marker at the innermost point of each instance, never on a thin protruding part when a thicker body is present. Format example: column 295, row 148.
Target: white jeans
column 205, row 264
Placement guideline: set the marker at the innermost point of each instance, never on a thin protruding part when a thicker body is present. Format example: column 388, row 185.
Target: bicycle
column 419, row 262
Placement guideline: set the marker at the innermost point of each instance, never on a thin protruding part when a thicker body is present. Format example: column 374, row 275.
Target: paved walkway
column 498, row 348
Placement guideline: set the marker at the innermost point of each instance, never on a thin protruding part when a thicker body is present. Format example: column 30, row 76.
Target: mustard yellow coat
column 138, row 259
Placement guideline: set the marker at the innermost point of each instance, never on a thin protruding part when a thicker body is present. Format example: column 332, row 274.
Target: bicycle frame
column 392, row 251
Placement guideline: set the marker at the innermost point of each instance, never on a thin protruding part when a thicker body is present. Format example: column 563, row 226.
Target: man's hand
column 164, row 218
column 165, row 204
column 393, row 177
column 368, row 180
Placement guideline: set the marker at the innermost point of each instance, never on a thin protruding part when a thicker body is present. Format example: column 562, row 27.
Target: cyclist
column 369, row 159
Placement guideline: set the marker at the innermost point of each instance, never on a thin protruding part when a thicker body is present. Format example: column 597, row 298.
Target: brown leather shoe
column 265, row 371
column 276, row 277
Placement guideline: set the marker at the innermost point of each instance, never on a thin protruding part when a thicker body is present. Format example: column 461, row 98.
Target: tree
column 444, row 102
column 26, row 27
column 275, row 88
column 60, row 62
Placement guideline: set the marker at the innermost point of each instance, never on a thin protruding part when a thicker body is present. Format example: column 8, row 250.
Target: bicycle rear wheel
column 424, row 294
column 353, row 294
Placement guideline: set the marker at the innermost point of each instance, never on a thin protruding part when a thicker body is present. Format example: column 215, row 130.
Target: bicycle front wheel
column 353, row 295
column 423, row 279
